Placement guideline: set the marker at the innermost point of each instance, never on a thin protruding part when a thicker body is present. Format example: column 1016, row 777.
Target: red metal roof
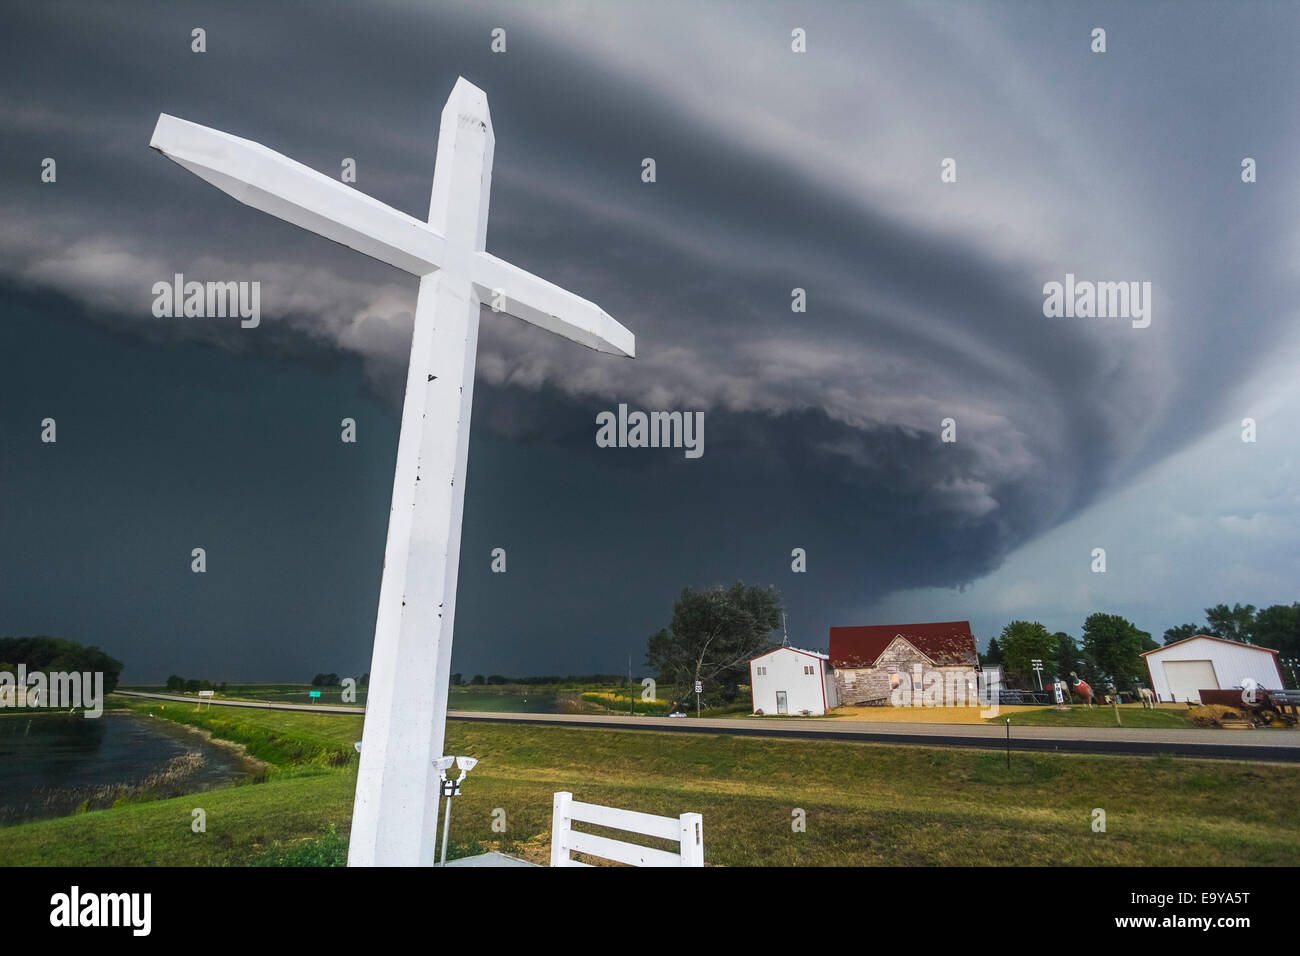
column 945, row 643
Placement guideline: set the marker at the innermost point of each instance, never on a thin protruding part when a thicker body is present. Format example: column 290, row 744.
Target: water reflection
column 45, row 753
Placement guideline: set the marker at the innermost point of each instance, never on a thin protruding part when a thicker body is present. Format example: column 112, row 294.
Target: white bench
column 687, row 831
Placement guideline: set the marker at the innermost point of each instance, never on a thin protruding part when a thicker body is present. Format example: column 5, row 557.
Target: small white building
column 790, row 681
column 1181, row 670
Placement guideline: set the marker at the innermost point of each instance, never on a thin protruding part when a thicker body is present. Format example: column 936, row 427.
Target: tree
column 1114, row 646
column 1021, row 643
column 478, row 680
column 175, row 682
column 1182, row 632
column 994, row 655
column 1237, row 624
column 457, row 680
column 1066, row 658
column 56, row 655
column 712, row 637
column 1278, row 627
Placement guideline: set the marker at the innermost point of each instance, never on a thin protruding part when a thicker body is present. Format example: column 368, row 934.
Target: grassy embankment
column 865, row 804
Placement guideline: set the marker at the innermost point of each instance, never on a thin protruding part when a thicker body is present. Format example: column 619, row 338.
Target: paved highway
column 1267, row 745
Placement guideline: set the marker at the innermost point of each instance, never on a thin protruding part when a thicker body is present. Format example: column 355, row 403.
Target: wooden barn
column 871, row 661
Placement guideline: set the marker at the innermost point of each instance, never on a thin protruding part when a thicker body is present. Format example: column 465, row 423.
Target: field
column 864, row 804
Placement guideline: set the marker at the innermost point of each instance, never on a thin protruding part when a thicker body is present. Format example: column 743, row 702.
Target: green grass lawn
column 865, row 804
column 1099, row 716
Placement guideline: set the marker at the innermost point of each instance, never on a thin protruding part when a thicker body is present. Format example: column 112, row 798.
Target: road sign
column 314, row 693
column 699, row 687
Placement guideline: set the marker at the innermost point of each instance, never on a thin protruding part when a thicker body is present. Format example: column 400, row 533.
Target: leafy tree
column 1067, row 655
column 193, row 686
column 994, row 655
column 1022, row 642
column 54, row 654
column 478, row 680
column 712, row 637
column 1182, row 632
column 457, row 680
column 1114, row 646
column 175, row 682
column 1235, row 624
column 1278, row 627
column 497, row 679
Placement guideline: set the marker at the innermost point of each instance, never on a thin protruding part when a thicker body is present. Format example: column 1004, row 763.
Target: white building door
column 781, row 706
column 1187, row 678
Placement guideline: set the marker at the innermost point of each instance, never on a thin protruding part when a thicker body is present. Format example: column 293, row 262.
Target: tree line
column 1110, row 647
column 57, row 655
column 192, row 685
column 1276, row 627
column 1109, row 650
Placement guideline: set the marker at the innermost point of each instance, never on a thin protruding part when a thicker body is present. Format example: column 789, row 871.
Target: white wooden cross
column 394, row 817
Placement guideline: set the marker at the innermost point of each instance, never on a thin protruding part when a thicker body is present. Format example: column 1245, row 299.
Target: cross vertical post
column 406, row 707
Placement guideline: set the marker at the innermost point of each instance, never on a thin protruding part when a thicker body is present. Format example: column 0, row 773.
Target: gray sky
column 775, row 170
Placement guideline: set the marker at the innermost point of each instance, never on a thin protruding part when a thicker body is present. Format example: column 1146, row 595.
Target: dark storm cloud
column 822, row 427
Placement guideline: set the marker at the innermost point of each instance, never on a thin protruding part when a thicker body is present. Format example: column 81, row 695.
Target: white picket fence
column 687, row 831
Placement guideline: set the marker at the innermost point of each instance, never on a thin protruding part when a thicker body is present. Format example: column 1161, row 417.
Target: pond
column 51, row 764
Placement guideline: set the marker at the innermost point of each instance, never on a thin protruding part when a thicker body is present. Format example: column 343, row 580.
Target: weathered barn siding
column 865, row 659
column 860, row 684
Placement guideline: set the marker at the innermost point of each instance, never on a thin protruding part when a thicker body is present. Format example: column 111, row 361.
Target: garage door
column 1187, row 678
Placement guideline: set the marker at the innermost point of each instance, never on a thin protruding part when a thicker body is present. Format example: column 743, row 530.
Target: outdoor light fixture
column 449, row 789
